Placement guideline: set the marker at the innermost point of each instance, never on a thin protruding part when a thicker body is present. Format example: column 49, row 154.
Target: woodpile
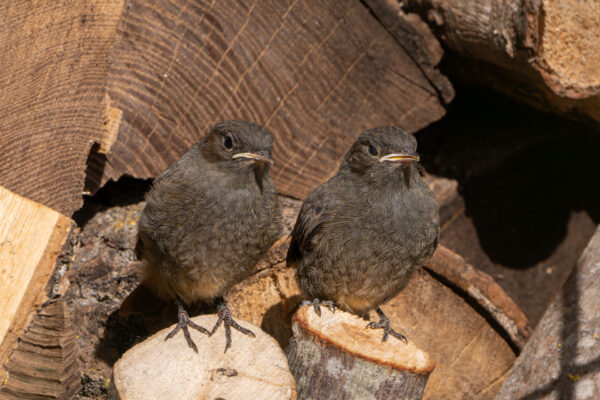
column 97, row 93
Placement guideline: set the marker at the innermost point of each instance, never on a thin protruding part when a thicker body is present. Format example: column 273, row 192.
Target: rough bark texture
column 333, row 356
column 544, row 52
column 53, row 78
column 31, row 238
column 253, row 368
column 562, row 358
column 44, row 364
column 315, row 73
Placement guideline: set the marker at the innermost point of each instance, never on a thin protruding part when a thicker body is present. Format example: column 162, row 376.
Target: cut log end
column 350, row 361
column 253, row 368
column 569, row 52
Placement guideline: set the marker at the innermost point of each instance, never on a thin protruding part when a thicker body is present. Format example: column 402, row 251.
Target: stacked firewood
column 95, row 91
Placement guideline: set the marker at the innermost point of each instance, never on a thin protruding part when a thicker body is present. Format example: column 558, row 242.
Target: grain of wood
column 481, row 288
column 53, row 69
column 335, row 356
column 44, row 363
column 253, row 368
column 31, row 237
column 315, row 73
column 562, row 358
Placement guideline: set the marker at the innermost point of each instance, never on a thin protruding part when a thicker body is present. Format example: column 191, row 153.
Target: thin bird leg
column 384, row 323
column 184, row 322
column 228, row 322
column 316, row 303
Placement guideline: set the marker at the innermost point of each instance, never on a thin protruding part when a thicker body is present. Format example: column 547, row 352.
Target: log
column 562, row 358
column 31, row 237
column 467, row 331
column 53, row 71
column 478, row 286
column 539, row 51
column 335, row 356
column 128, row 87
column 315, row 73
column 44, row 363
column 253, row 368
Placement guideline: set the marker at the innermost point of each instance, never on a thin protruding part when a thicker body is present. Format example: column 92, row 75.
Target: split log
column 53, row 72
column 315, row 73
column 130, row 86
column 44, row 363
column 253, row 368
column 31, row 237
column 539, row 51
column 562, row 358
column 334, row 356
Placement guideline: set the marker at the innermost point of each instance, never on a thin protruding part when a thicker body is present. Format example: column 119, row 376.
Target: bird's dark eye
column 228, row 143
column 373, row 151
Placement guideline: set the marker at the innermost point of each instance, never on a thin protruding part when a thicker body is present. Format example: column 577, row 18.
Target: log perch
column 334, row 356
column 253, row 368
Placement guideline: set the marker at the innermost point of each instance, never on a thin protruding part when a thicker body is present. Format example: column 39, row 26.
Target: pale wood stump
column 253, row 368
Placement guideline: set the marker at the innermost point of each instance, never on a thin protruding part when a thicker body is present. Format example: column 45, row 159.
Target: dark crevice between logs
column 125, row 191
column 526, row 178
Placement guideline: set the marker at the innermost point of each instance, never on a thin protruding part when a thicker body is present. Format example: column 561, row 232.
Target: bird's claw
column 316, row 303
column 182, row 324
column 228, row 322
column 384, row 323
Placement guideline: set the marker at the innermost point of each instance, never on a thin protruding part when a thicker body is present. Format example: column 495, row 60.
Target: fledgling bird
column 360, row 236
column 208, row 219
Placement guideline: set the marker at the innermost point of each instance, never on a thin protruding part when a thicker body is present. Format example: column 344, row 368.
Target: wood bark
column 44, row 363
column 253, row 368
column 562, row 358
column 539, row 51
column 31, row 237
column 334, row 356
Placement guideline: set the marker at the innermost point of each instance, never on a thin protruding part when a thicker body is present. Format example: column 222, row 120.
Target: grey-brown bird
column 208, row 219
column 360, row 236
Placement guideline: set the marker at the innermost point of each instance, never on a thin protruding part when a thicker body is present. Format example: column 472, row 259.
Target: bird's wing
column 313, row 215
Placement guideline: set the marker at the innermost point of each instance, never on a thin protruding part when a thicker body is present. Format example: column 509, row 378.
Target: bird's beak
column 400, row 158
column 258, row 156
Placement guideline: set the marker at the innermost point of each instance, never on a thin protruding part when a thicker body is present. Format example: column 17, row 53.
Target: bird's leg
column 184, row 322
column 384, row 323
column 316, row 303
column 228, row 322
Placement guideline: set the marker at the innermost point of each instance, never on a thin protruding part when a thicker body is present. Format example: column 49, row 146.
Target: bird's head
column 238, row 144
column 381, row 151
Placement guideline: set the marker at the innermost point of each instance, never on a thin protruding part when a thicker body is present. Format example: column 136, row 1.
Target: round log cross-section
column 335, row 356
column 253, row 368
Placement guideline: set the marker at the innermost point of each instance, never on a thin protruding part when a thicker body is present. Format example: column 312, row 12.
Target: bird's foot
column 228, row 322
column 184, row 322
column 316, row 303
column 384, row 323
